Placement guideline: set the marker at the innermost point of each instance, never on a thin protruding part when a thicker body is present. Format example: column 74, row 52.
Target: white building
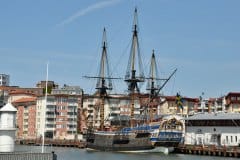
column 4, row 80
column 220, row 129
column 59, row 114
column 7, row 128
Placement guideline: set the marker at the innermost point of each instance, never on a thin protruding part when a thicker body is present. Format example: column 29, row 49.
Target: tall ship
column 154, row 132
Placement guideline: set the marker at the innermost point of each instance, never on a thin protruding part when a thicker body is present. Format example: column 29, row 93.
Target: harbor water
column 82, row 154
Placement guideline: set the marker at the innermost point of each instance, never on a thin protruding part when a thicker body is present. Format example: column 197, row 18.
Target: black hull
column 118, row 142
column 166, row 144
column 118, row 149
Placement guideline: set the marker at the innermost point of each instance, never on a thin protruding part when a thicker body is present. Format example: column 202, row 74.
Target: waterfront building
column 168, row 105
column 233, row 102
column 115, row 107
column 89, row 111
column 26, row 117
column 219, row 128
column 4, row 80
column 19, row 94
column 60, row 112
column 8, row 94
column 216, row 105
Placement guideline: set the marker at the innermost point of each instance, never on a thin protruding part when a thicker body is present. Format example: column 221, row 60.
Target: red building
column 233, row 102
column 26, row 117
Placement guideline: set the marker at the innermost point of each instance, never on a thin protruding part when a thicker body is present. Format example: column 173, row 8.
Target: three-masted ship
column 135, row 137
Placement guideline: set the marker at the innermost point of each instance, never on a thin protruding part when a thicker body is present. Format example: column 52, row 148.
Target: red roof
column 233, row 94
column 21, row 100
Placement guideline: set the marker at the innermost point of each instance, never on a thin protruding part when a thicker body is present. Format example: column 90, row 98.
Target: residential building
column 115, row 105
column 26, row 117
column 216, row 105
column 4, row 80
column 9, row 94
column 60, row 112
column 233, row 102
column 168, row 106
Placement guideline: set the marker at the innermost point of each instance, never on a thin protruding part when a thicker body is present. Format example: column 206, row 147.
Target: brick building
column 26, row 117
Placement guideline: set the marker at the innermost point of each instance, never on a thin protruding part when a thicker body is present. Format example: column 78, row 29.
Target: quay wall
column 53, row 142
column 209, row 150
column 27, row 156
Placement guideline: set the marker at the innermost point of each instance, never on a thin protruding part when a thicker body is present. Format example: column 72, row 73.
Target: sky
column 199, row 38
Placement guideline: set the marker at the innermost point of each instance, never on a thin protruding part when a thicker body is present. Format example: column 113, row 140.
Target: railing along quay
column 209, row 150
column 53, row 142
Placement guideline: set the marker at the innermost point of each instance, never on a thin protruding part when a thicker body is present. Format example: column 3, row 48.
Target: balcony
column 72, row 123
column 50, row 109
column 71, row 111
column 72, row 116
column 25, row 111
column 51, row 103
column 71, row 129
column 50, row 116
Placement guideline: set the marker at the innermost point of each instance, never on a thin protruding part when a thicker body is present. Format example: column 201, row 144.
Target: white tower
column 7, row 127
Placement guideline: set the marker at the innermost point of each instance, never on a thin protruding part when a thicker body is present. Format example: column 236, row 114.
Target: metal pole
column 44, row 112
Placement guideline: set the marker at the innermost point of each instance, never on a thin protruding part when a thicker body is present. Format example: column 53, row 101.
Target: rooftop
column 214, row 116
column 9, row 108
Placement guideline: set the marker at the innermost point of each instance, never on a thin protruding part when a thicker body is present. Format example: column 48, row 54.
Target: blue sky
column 199, row 38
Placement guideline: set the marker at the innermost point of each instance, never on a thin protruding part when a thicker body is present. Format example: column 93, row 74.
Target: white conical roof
column 9, row 108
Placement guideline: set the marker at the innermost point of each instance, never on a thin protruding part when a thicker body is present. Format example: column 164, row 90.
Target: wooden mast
column 152, row 85
column 131, row 76
column 104, row 82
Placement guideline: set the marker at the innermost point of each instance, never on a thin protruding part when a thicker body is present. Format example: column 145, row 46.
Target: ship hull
column 119, row 142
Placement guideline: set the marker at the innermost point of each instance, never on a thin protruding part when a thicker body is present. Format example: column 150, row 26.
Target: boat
column 146, row 137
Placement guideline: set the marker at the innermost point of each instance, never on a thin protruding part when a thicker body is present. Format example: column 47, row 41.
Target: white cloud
column 87, row 10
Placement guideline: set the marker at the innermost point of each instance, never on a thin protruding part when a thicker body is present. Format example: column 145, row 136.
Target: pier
column 209, row 150
column 53, row 142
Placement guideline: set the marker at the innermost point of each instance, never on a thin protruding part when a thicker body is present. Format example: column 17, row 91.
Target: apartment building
column 216, row 104
column 116, row 106
column 8, row 94
column 168, row 106
column 4, row 80
column 233, row 102
column 59, row 113
column 26, row 117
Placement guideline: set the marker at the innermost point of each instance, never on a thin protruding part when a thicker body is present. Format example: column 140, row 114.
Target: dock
column 209, row 150
column 53, row 142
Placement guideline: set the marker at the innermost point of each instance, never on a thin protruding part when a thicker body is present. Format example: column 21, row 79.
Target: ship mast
column 153, row 84
column 104, row 81
column 135, row 60
column 102, row 86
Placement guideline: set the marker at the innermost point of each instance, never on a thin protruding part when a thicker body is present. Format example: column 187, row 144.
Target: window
column 233, row 98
